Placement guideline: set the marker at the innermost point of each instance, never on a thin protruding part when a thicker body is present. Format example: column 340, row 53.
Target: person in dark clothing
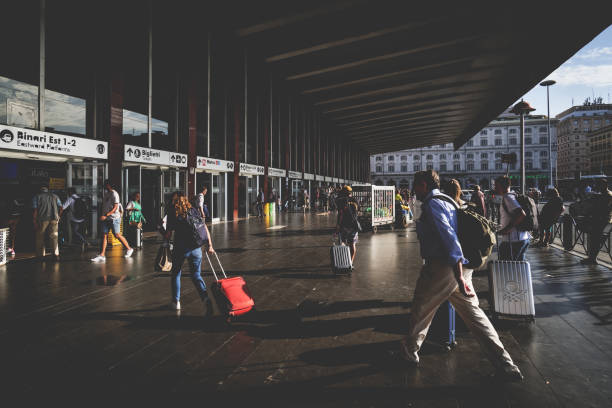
column 186, row 247
column 599, row 219
column 346, row 225
column 479, row 199
column 550, row 213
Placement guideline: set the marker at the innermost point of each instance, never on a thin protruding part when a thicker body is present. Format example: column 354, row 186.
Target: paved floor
column 315, row 339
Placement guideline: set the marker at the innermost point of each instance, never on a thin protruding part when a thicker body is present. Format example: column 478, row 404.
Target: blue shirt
column 436, row 229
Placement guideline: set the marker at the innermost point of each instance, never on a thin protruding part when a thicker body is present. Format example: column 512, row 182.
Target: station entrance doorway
column 216, row 198
column 155, row 185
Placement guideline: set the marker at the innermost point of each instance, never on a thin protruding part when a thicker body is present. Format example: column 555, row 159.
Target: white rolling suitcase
column 511, row 289
column 340, row 255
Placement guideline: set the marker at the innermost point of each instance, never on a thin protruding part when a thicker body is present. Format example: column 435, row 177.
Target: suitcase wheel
column 450, row 346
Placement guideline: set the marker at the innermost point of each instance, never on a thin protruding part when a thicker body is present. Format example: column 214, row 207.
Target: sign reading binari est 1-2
column 27, row 140
column 153, row 156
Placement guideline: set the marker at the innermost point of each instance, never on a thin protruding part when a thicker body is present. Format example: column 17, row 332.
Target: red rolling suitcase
column 232, row 294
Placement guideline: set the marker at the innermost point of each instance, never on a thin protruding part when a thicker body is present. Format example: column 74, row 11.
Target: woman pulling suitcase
column 190, row 233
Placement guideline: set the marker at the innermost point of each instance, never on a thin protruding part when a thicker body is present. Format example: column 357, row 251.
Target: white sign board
column 335, row 180
column 27, row 140
column 295, row 174
column 308, row 176
column 251, row 169
column 328, row 179
column 318, row 177
column 276, row 172
column 206, row 163
column 153, row 156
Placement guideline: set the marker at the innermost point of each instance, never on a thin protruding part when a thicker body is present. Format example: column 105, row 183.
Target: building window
column 443, row 156
column 528, row 130
column 456, row 156
column 391, row 158
column 457, row 167
column 484, row 155
column 416, row 167
column 470, row 166
column 429, row 166
column 512, row 141
column 378, row 158
column 577, row 137
column 403, row 158
column 484, row 142
column 379, row 169
column 442, row 166
column 470, row 155
column 417, row 157
column 429, row 157
column 498, row 142
column 498, row 131
column 498, row 166
column 470, row 143
column 543, row 153
column 483, row 132
column 543, row 140
column 543, row 129
column 498, row 155
column 404, row 168
column 527, row 140
column 577, row 144
column 484, row 165
column 391, row 168
column 528, row 154
column 512, row 131
column 528, row 165
column 544, row 164
column 442, row 146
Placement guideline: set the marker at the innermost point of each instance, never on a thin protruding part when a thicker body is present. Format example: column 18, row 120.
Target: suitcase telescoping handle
column 212, row 268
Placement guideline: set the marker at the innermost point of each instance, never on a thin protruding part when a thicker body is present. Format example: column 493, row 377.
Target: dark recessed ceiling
column 393, row 77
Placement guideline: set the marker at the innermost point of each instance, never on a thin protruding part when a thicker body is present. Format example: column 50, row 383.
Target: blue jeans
column 195, row 260
column 76, row 232
column 516, row 252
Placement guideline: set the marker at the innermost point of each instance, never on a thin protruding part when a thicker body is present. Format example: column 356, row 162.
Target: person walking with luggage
column 444, row 278
column 110, row 219
column 347, row 224
column 186, row 223
column 479, row 200
column 45, row 218
column 135, row 219
column 513, row 242
column 78, row 211
column 601, row 216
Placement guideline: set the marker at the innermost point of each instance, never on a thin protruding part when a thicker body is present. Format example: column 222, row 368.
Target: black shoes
column 588, row 261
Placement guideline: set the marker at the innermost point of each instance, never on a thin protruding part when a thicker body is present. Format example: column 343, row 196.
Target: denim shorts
column 114, row 223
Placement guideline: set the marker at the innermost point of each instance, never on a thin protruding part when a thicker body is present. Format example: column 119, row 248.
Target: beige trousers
column 48, row 229
column 437, row 284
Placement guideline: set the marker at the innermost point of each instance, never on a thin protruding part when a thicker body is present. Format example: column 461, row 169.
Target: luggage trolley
column 376, row 206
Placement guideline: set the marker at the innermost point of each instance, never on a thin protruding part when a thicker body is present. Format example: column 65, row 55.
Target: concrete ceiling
column 394, row 77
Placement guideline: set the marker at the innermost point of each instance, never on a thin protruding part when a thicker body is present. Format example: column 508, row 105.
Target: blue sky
column 588, row 72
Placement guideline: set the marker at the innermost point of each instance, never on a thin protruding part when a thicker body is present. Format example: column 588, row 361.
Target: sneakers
column 409, row 358
column 10, row 252
column 99, row 258
column 509, row 373
column 175, row 305
column 129, row 252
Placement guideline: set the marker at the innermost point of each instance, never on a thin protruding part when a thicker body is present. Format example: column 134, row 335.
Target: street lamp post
column 521, row 109
column 548, row 84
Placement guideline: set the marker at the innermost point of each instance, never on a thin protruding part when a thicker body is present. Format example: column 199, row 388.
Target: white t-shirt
column 70, row 203
column 201, row 201
column 108, row 202
column 509, row 201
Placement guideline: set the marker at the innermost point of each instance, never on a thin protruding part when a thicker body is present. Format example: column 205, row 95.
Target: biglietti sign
column 27, row 140
column 252, row 169
column 295, row 174
column 206, row 163
column 276, row 172
column 153, row 156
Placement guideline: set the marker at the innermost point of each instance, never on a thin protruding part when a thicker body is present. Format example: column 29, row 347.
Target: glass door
column 218, row 197
column 151, row 197
column 87, row 179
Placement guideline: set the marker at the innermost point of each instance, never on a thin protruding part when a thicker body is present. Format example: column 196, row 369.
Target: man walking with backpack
column 45, row 218
column 443, row 277
column 77, row 213
column 514, row 235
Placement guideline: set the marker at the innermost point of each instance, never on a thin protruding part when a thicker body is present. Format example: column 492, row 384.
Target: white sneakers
column 175, row 305
column 129, row 252
column 99, row 258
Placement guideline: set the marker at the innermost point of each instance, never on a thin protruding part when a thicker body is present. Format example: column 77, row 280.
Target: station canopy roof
column 394, row 75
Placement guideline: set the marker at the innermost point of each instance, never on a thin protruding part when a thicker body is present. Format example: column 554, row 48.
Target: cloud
column 596, row 53
column 587, row 75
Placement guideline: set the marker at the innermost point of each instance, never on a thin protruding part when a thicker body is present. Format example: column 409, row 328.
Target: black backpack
column 197, row 227
column 475, row 232
column 530, row 222
column 80, row 209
